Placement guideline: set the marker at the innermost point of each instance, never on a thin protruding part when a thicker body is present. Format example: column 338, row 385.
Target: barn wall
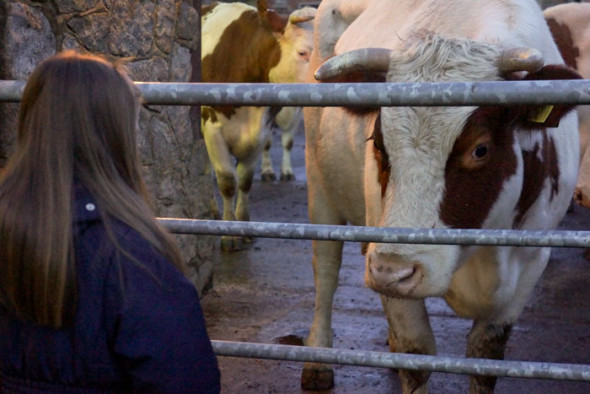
column 156, row 38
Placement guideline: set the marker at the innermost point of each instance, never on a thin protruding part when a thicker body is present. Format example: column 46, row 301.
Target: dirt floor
column 265, row 294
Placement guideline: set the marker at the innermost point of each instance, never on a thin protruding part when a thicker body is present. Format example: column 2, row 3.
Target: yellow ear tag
column 542, row 114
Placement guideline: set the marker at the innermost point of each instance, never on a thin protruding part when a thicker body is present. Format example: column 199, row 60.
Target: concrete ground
column 265, row 294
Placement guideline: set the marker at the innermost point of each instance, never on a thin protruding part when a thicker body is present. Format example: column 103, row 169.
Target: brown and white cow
column 570, row 26
column 241, row 43
column 500, row 167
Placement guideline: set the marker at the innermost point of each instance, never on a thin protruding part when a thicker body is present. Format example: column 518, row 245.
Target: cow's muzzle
column 393, row 275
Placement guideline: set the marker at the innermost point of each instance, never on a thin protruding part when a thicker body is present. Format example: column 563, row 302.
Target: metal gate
column 375, row 94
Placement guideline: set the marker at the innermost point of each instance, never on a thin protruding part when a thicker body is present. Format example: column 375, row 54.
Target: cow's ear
column 270, row 18
column 541, row 116
column 275, row 22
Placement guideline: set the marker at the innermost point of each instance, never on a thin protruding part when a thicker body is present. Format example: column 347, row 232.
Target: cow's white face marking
column 419, row 141
column 459, row 167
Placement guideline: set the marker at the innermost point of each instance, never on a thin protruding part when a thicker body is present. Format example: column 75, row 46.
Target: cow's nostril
column 394, row 277
column 401, row 275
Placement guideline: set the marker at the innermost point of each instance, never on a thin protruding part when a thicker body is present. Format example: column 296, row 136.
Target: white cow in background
column 241, row 43
column 489, row 167
column 289, row 120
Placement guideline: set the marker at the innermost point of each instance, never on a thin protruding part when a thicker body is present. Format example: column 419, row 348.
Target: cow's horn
column 301, row 15
column 295, row 19
column 365, row 59
column 520, row 59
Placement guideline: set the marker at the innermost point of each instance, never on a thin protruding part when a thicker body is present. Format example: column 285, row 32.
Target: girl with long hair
column 92, row 291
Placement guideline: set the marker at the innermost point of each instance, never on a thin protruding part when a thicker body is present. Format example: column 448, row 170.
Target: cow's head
column 296, row 44
column 448, row 167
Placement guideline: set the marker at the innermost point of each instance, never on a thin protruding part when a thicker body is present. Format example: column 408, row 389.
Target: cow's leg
column 266, row 171
column 287, row 143
column 245, row 177
column 327, row 258
column 409, row 332
column 222, row 163
column 267, row 126
column 506, row 286
column 486, row 340
column 289, row 120
column 213, row 206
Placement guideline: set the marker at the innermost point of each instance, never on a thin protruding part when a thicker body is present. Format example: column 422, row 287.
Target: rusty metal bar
column 555, row 238
column 475, row 366
column 354, row 94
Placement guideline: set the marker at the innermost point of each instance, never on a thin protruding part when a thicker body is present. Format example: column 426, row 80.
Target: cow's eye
column 303, row 54
column 480, row 152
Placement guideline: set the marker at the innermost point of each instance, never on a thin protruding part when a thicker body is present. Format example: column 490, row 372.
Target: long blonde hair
column 77, row 119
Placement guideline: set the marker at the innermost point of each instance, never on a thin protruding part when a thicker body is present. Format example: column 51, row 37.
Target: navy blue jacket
column 137, row 328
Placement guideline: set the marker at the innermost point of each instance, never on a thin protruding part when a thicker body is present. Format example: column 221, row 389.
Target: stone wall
column 157, row 40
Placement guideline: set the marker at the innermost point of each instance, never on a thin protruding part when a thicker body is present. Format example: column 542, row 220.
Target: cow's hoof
column 317, row 378
column 482, row 384
column 287, row 177
column 268, row 176
column 231, row 244
column 415, row 382
column 248, row 240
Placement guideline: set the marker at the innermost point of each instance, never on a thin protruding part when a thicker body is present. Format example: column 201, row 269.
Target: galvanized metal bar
column 11, row 91
column 556, row 238
column 515, row 369
column 374, row 94
column 354, row 94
